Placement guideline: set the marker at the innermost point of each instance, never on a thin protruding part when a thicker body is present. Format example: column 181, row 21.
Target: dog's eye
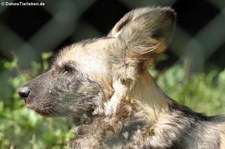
column 67, row 69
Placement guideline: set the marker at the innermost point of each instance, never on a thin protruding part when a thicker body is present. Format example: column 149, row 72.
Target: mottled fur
column 104, row 85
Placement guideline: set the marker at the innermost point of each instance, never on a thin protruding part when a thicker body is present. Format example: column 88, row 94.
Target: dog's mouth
column 44, row 109
column 49, row 109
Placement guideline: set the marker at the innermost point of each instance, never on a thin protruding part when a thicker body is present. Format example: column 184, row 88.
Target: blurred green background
column 191, row 71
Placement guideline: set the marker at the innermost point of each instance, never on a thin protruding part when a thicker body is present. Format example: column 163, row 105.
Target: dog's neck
column 150, row 95
column 145, row 100
column 136, row 114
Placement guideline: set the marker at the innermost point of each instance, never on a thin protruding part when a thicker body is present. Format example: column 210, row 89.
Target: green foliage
column 202, row 92
column 23, row 128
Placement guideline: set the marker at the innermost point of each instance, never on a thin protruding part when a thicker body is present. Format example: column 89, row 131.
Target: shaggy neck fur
column 150, row 95
column 136, row 114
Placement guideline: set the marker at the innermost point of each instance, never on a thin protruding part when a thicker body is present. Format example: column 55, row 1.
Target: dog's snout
column 24, row 92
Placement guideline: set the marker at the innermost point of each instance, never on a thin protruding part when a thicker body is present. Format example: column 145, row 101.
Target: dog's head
column 85, row 75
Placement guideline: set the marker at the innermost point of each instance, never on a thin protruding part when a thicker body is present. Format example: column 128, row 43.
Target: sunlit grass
column 204, row 93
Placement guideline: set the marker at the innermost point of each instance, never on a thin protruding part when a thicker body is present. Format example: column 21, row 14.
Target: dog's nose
column 24, row 92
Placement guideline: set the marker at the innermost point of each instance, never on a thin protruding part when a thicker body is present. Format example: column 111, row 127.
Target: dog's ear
column 145, row 33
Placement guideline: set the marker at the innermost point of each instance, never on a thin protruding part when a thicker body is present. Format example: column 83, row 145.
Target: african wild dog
column 104, row 85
